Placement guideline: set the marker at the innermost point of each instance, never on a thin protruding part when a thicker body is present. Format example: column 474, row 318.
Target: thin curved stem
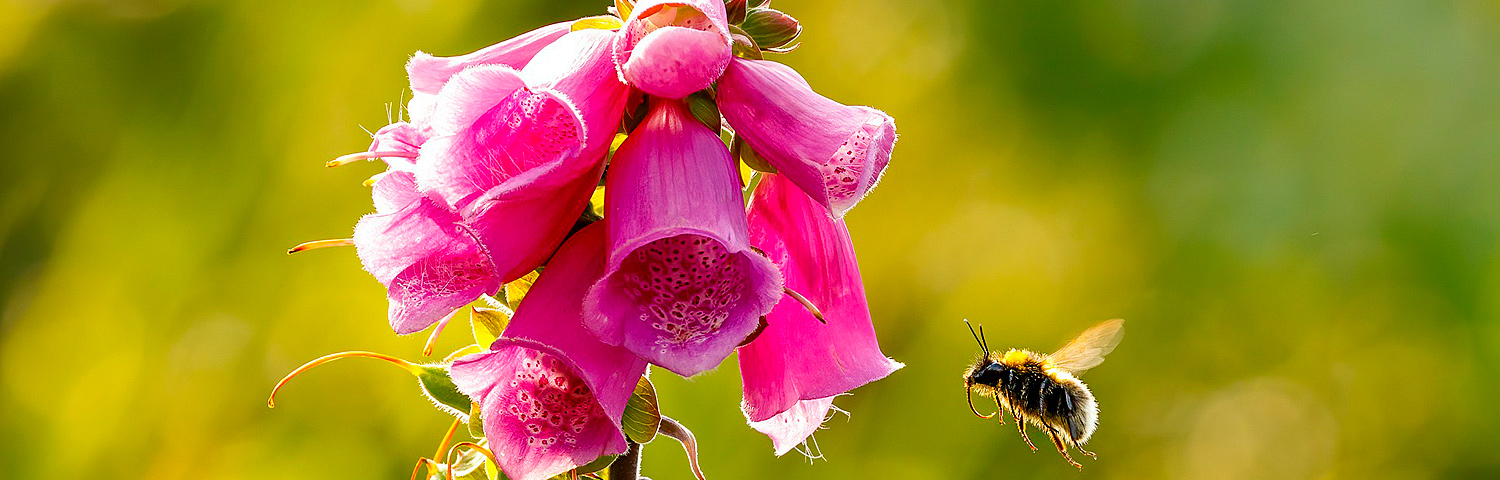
column 447, row 437
column 405, row 365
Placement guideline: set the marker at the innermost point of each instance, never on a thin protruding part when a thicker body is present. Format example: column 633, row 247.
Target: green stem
column 627, row 466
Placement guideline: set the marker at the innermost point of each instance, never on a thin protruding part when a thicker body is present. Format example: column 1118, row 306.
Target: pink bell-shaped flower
column 672, row 48
column 519, row 153
column 682, row 287
column 551, row 394
column 798, row 358
column 835, row 153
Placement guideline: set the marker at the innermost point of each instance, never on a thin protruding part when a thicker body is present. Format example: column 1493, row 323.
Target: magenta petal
column 673, row 48
column 429, row 73
column 797, row 357
column 513, row 160
column 520, row 158
column 429, row 264
column 682, row 287
column 552, row 395
column 792, row 427
column 528, row 131
column 521, row 221
column 578, row 66
column 553, row 314
column 836, row 153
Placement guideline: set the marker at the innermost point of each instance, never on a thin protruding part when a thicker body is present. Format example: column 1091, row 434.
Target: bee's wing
column 1088, row 350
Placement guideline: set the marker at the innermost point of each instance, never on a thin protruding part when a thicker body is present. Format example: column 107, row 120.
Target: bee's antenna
column 984, row 341
column 978, row 337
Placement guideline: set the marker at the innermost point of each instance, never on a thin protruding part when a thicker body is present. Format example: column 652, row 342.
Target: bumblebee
column 1044, row 389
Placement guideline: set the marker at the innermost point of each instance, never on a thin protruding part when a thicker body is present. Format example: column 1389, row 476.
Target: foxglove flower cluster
column 491, row 177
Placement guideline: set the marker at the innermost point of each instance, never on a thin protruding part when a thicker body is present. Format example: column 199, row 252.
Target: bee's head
column 985, row 372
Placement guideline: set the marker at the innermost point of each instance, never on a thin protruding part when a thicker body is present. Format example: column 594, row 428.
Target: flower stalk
column 403, row 364
column 627, row 466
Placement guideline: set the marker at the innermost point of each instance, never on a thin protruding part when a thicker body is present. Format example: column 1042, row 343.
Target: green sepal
column 642, row 417
column 635, row 114
column 598, row 464
column 736, row 10
column 440, row 388
column 744, row 46
column 741, row 150
column 703, row 108
column 469, row 465
column 771, row 28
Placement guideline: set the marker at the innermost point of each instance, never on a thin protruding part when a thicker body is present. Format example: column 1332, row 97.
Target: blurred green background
column 1296, row 205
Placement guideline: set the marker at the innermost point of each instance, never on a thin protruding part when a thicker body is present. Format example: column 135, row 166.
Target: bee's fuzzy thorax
column 1016, row 357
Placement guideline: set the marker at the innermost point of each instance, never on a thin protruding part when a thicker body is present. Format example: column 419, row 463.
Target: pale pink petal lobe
column 792, row 427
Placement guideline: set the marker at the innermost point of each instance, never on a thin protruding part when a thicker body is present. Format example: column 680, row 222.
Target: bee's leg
column 1000, row 410
column 969, row 395
column 1021, row 427
column 1085, row 452
column 1057, row 441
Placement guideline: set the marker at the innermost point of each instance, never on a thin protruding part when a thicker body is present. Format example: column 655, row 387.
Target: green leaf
column 705, row 110
column 742, row 151
column 602, row 22
column 642, row 415
column 771, row 28
column 440, row 388
column 488, row 323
